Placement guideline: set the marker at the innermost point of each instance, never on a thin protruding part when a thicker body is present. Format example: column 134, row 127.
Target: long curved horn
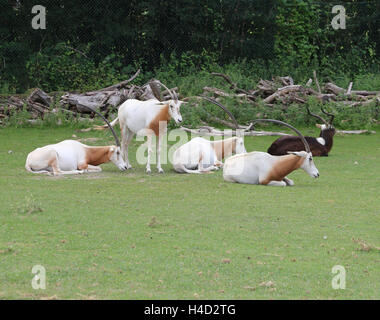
column 224, row 109
column 154, row 85
column 106, row 121
column 307, row 147
column 316, row 116
column 332, row 116
column 174, row 97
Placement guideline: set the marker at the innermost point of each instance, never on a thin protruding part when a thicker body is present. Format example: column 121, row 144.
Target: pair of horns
column 153, row 84
column 224, row 109
column 329, row 123
column 307, row 147
column 106, row 121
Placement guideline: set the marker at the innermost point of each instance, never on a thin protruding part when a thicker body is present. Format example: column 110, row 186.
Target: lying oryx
column 263, row 168
column 73, row 157
column 200, row 155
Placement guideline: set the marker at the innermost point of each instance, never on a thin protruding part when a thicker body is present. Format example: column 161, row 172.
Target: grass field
column 130, row 235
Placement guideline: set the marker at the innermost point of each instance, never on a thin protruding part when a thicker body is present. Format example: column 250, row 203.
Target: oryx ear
column 318, row 125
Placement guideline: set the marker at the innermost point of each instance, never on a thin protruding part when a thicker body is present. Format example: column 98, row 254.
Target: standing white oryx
column 147, row 118
column 263, row 168
column 200, row 155
column 73, row 157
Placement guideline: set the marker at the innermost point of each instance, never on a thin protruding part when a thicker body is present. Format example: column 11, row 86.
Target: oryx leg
column 149, row 143
column 91, row 168
column 277, row 183
column 129, row 137
column 288, row 181
column 218, row 164
column 126, row 137
column 202, row 169
column 54, row 164
column 208, row 169
column 159, row 143
column 58, row 172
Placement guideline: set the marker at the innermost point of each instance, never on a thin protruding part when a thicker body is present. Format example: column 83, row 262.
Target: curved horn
column 171, row 93
column 108, row 124
column 154, row 85
column 316, row 116
column 307, row 147
column 224, row 109
column 332, row 116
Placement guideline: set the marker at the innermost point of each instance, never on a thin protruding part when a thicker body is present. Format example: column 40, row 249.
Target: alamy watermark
column 39, row 279
column 339, row 280
column 338, row 22
column 39, row 20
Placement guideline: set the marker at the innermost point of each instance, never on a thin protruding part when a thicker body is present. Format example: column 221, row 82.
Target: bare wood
column 216, row 91
column 209, row 131
column 333, row 88
column 233, row 85
column 355, row 131
column 123, row 83
column 40, row 96
column 316, row 81
column 282, row 91
column 349, row 88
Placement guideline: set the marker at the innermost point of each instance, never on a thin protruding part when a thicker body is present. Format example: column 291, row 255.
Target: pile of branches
column 38, row 104
column 283, row 90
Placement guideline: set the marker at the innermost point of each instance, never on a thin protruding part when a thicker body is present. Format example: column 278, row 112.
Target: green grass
column 136, row 236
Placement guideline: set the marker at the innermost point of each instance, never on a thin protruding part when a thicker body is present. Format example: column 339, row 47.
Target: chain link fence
column 118, row 36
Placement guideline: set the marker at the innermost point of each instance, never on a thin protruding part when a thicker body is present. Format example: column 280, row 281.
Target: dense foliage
column 99, row 42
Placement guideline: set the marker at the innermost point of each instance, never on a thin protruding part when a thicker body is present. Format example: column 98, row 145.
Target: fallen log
column 233, row 85
column 355, row 131
column 210, row 131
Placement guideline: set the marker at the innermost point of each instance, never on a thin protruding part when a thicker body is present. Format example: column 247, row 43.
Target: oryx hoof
column 289, row 182
column 148, row 170
column 160, row 170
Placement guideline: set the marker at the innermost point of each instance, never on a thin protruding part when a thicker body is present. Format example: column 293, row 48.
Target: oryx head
column 114, row 151
column 116, row 157
column 308, row 163
column 174, row 104
column 174, row 110
column 326, row 125
column 240, row 148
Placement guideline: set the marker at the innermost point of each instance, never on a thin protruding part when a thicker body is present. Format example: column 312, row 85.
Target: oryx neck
column 97, row 155
column 224, row 148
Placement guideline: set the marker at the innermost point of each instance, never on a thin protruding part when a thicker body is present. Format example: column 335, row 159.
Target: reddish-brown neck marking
column 97, row 155
column 282, row 167
column 224, row 148
column 162, row 115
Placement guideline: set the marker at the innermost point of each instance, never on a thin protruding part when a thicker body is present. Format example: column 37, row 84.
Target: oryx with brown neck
column 265, row 169
column 147, row 118
column 73, row 157
column 200, row 155
column 319, row 146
